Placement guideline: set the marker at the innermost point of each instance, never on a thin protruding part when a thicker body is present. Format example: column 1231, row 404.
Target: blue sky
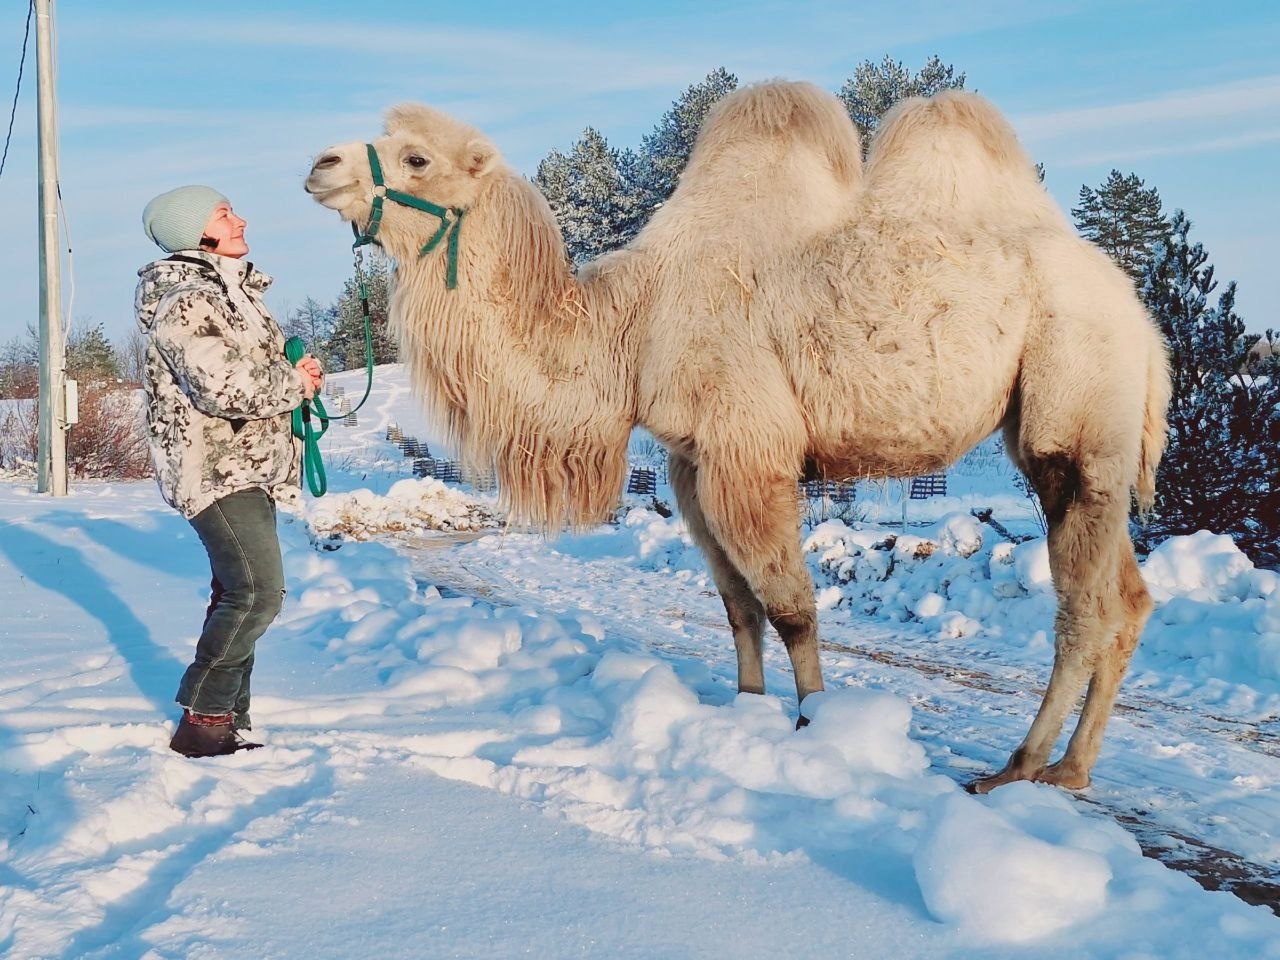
column 241, row 96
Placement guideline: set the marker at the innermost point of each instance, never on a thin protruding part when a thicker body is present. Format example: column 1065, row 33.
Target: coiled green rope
column 304, row 430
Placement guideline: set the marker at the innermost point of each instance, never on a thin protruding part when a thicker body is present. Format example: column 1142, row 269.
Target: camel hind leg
column 1072, row 771
column 745, row 611
column 1101, row 608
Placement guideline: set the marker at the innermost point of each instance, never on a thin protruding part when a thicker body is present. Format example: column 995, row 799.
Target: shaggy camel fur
column 785, row 314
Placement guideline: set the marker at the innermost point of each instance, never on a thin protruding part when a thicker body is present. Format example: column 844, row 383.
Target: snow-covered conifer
column 875, row 87
column 1220, row 470
column 653, row 170
column 552, row 178
column 346, row 349
column 90, row 358
column 597, row 205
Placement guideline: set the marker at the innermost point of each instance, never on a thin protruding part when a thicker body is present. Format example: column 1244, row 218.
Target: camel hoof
column 1066, row 777
column 1008, row 775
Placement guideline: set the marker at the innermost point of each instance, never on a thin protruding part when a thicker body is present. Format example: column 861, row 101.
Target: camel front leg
column 743, row 608
column 755, row 520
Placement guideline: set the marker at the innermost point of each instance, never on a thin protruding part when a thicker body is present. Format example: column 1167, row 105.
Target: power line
column 13, row 111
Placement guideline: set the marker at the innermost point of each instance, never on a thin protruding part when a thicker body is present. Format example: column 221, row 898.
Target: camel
column 789, row 313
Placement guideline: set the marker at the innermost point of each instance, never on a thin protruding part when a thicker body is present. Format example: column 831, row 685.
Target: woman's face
column 227, row 230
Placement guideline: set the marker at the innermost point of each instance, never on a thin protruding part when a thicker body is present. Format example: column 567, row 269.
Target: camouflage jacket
column 219, row 389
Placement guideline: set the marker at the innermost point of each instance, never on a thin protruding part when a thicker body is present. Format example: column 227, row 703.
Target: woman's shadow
column 62, row 569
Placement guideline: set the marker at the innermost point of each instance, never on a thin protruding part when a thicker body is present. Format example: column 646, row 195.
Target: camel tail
column 1154, row 423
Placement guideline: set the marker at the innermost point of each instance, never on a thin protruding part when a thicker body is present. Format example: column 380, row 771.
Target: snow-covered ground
column 482, row 744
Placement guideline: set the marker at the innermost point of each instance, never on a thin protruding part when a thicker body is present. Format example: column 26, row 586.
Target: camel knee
column 745, row 616
column 1134, row 595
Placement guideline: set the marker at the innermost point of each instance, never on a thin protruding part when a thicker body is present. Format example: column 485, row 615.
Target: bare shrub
column 109, row 442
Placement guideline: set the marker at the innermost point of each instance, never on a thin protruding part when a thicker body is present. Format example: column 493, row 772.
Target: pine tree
column 552, row 179
column 588, row 194
column 89, row 357
column 603, row 202
column 875, row 87
column 345, row 348
column 1124, row 218
column 603, row 197
column 654, row 170
column 1219, row 472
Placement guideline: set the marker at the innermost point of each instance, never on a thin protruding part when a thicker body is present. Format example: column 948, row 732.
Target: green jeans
column 239, row 534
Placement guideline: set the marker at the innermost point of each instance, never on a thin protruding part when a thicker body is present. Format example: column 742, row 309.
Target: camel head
column 423, row 153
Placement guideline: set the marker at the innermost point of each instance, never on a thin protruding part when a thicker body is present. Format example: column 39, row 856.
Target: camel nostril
column 328, row 160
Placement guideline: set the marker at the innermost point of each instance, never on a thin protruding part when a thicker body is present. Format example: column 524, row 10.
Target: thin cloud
column 454, row 59
column 84, row 117
column 1174, row 149
column 645, row 52
column 1257, row 97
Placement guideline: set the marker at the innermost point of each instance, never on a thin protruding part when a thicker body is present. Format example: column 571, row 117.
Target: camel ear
column 479, row 157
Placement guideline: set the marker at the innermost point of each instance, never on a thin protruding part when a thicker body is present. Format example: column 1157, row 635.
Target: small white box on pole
column 73, row 403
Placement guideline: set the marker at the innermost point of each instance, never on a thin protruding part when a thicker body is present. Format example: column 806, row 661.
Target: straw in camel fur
column 785, row 313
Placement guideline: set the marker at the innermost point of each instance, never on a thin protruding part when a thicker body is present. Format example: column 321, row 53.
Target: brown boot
column 204, row 735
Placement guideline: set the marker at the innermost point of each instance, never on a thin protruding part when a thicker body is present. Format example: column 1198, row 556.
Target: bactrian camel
column 787, row 313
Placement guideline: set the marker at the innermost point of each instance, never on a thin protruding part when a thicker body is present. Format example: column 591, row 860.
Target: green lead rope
column 305, row 412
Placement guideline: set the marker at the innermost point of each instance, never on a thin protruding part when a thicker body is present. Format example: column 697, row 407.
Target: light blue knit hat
column 175, row 220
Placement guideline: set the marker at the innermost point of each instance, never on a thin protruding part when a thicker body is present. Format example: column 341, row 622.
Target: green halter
column 447, row 226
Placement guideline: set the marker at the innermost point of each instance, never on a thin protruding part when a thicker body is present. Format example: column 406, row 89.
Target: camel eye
column 416, row 161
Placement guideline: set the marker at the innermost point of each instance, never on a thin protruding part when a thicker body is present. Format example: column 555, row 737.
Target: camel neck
column 526, row 367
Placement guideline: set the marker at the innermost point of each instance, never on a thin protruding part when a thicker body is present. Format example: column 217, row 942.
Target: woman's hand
column 313, row 373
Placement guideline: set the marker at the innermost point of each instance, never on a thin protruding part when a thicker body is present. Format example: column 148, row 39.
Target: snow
column 1216, row 615
column 408, row 506
column 482, row 743
column 1205, row 566
column 980, row 872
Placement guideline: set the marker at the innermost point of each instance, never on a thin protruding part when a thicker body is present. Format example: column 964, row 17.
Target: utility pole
column 53, row 400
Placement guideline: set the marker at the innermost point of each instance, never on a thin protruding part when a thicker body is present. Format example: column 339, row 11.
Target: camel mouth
column 334, row 196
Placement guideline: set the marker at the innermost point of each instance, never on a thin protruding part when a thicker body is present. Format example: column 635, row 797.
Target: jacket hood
column 194, row 268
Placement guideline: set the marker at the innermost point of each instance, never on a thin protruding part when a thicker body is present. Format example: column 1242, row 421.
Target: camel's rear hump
column 954, row 157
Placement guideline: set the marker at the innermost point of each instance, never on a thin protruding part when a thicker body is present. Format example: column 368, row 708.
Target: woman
column 219, row 395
